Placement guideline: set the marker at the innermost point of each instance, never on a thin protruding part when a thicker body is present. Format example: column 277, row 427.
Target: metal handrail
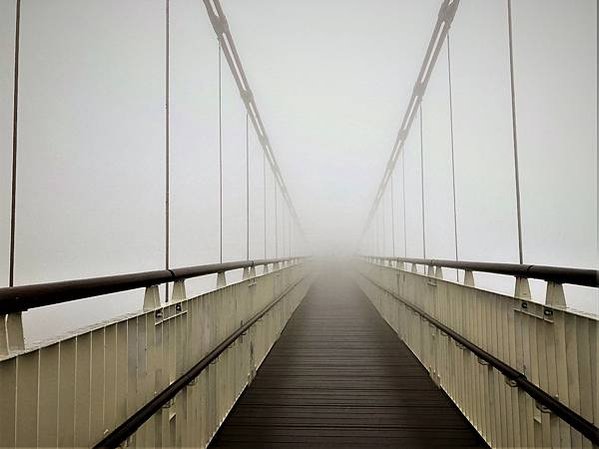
column 560, row 275
column 21, row 298
column 134, row 422
column 578, row 422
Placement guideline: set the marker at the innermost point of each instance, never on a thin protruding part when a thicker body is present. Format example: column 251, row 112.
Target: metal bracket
column 151, row 298
column 547, row 313
column 522, row 289
column 542, row 408
column 169, row 403
column 14, row 332
column 459, row 345
column 179, row 293
column 3, row 336
column 439, row 272
column 221, row 280
column 555, row 295
column 468, row 278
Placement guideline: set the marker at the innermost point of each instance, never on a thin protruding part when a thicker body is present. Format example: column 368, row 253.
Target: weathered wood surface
column 339, row 377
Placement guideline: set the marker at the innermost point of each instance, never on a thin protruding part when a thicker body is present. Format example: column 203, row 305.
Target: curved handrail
column 578, row 422
column 560, row 275
column 135, row 421
column 21, row 298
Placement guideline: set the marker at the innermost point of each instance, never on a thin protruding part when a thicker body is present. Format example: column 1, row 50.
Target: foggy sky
column 332, row 80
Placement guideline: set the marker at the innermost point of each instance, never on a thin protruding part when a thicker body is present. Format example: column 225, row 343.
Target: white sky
column 332, row 80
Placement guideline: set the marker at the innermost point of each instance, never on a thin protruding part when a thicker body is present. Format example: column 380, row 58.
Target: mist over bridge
column 254, row 340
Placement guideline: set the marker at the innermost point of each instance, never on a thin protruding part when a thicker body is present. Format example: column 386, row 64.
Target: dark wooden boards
column 339, row 377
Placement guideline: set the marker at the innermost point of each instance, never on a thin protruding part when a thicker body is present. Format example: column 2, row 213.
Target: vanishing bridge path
column 268, row 345
column 339, row 377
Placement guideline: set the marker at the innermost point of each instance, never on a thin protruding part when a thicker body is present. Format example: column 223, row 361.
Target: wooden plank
column 340, row 377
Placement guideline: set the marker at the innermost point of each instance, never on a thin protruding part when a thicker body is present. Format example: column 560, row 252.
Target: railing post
column 179, row 293
column 252, row 271
column 246, row 273
column 14, row 331
column 439, row 272
column 431, row 271
column 151, row 298
column 555, row 295
column 221, row 280
column 414, row 268
column 3, row 336
column 522, row 290
column 265, row 268
column 468, row 278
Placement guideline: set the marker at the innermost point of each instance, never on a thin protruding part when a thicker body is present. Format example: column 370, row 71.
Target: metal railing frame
column 134, row 422
column 559, row 275
column 584, row 277
column 25, row 297
column 515, row 377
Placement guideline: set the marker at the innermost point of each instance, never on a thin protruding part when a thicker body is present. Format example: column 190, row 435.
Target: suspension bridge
column 377, row 349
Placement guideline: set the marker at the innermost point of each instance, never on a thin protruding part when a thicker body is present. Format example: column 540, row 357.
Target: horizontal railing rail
column 585, row 427
column 559, row 275
column 22, row 298
column 134, row 422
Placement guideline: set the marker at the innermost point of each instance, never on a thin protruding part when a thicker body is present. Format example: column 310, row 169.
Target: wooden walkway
column 339, row 377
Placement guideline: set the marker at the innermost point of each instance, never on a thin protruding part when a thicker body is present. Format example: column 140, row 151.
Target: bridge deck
column 340, row 377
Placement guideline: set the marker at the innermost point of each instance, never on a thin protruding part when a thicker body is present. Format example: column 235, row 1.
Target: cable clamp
column 246, row 95
column 221, row 26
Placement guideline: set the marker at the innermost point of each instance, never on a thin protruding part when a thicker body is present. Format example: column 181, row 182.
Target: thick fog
column 332, row 81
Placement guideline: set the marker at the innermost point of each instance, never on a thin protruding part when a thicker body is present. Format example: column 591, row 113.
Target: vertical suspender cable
column 220, row 151
column 247, row 188
column 15, row 105
column 167, row 145
column 514, row 131
column 276, row 224
column 422, row 186
column 284, row 232
column 384, row 226
column 265, row 197
column 392, row 217
column 403, row 193
column 453, row 190
column 290, row 233
column 378, row 232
